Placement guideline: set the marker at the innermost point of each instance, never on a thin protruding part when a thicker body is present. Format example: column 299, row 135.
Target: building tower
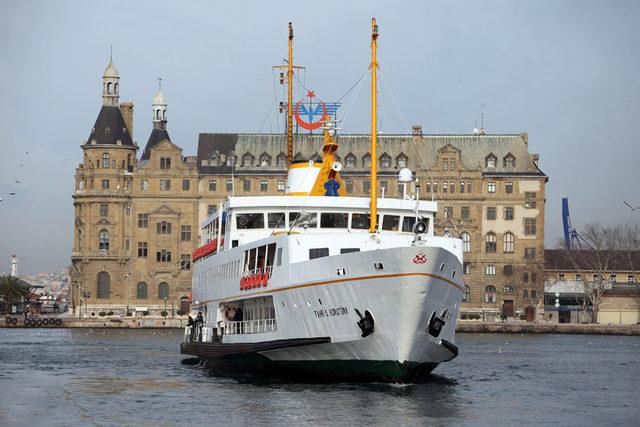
column 159, row 120
column 102, row 200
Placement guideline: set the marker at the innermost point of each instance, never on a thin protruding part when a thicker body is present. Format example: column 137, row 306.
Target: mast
column 374, row 128
column 290, row 97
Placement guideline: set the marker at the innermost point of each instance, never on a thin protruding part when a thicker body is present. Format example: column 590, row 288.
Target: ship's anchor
column 365, row 323
column 436, row 323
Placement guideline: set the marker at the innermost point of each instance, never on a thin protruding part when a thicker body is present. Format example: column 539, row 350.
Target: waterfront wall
column 547, row 328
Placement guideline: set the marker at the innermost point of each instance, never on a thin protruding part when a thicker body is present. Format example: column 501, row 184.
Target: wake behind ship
column 319, row 286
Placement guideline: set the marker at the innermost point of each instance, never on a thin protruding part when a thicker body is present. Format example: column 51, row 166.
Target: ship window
column 319, row 301
column 271, row 253
column 279, row 257
column 349, row 250
column 276, row 220
column 250, row 221
column 361, row 221
column 408, row 222
column 390, row 222
column 378, row 266
column 318, row 253
column 341, row 271
column 442, row 267
column 303, row 219
column 334, row 220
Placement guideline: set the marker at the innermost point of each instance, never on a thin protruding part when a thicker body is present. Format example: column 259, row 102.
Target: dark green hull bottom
column 255, row 366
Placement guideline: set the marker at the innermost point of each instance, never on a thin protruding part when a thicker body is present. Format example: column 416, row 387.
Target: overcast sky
column 566, row 72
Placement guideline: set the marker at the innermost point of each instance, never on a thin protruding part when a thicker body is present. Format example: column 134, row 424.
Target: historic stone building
column 490, row 189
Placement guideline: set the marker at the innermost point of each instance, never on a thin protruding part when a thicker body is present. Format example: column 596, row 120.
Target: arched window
column 158, row 115
column 104, row 285
column 350, row 161
column 385, row 160
column 128, row 160
column 103, row 239
column 401, row 160
column 163, row 290
column 265, row 160
column 281, row 160
column 109, row 87
column 466, row 242
column 490, row 294
column 141, row 290
column 466, row 296
column 247, row 160
column 105, row 160
column 509, row 161
column 116, row 88
column 366, row 161
column 507, row 243
column 490, row 161
column 490, row 243
column 164, row 114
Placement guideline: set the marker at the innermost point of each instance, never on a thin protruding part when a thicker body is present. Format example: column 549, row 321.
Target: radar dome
column 405, row 175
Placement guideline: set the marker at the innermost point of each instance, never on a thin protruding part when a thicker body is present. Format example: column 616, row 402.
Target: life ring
column 8, row 320
column 58, row 322
column 38, row 323
column 228, row 313
column 14, row 321
column 45, row 322
column 27, row 322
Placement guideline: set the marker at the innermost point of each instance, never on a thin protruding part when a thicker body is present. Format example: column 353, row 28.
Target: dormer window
column 247, row 160
column 281, row 160
column 385, row 161
column 509, row 161
column 366, row 161
column 231, row 159
column 165, row 162
column 265, row 160
column 214, row 160
column 350, row 160
column 401, row 161
column 490, row 161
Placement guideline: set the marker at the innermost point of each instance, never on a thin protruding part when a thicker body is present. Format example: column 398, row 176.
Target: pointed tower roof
column 159, row 120
column 110, row 71
column 159, row 98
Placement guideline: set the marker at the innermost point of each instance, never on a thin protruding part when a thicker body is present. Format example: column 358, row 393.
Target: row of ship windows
column 358, row 221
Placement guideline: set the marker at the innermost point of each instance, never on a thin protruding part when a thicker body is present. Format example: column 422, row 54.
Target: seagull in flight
column 631, row 207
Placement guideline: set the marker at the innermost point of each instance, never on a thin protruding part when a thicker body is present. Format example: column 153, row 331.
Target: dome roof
column 110, row 71
column 159, row 99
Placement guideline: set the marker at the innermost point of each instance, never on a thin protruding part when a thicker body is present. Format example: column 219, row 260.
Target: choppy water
column 124, row 377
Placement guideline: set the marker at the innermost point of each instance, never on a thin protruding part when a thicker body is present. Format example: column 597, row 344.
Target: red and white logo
column 420, row 258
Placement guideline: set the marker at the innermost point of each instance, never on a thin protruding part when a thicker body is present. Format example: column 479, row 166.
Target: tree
column 13, row 289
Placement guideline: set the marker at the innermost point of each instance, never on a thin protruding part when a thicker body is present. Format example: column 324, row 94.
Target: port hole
column 378, row 266
column 341, row 272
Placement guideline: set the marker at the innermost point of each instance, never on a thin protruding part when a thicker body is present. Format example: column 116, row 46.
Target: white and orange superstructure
column 322, row 286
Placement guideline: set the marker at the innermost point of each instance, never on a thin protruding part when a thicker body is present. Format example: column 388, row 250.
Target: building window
column 508, row 187
column 448, row 212
column 185, row 233
column 445, row 164
column 491, row 213
column 491, row 187
column 490, row 161
column 525, row 277
column 385, row 161
column 508, row 214
column 465, row 212
column 231, row 159
column 452, row 162
column 105, row 160
column 529, row 253
column 529, row 226
column 466, row 268
column 186, row 184
column 366, row 187
column 113, row 163
column 435, row 186
column 490, row 294
column 246, row 185
column 428, row 186
column 348, row 183
column 490, row 270
column 630, row 278
column 105, row 184
column 452, row 187
column 445, row 187
column 214, row 159
column 143, row 249
column 281, row 160
column 185, row 262
column 561, row 277
column 401, row 161
column 466, row 296
column 508, row 243
column 165, row 184
column 509, row 161
column 143, row 220
column 469, row 187
column 281, row 185
column 366, row 161
column 490, row 243
column 104, row 209
column 461, row 186
column 525, row 293
column 247, row 160
column 264, row 185
column 103, row 240
column 165, row 162
column 141, row 290
column 163, row 256
column 163, row 227
column 507, row 270
column 229, row 185
column 350, row 160
column 144, row 184
column 466, row 242
column 163, row 290
column 104, row 285
column 530, row 200
column 213, row 186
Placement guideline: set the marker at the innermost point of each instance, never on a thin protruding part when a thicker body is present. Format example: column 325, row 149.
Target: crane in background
column 572, row 239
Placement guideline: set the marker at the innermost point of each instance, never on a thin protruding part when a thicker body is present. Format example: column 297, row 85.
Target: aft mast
column 374, row 128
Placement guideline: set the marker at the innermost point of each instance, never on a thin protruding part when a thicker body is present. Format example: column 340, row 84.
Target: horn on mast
column 374, row 128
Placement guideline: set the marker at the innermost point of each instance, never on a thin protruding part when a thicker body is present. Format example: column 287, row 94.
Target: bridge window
column 318, row 253
column 276, row 220
column 390, row 222
column 250, row 221
column 409, row 221
column 349, row 250
column 303, row 219
column 334, row 220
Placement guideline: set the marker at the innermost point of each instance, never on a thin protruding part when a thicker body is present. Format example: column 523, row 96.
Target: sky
column 566, row 72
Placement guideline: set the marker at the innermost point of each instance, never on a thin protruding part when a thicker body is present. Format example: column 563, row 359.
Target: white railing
column 250, row 326
column 193, row 333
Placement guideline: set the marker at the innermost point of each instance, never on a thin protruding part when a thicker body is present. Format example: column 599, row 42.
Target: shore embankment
column 547, row 328
column 114, row 323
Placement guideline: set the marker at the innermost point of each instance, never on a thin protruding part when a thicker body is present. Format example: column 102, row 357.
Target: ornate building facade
column 490, row 190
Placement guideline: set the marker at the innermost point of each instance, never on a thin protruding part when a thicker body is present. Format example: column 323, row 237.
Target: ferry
column 319, row 286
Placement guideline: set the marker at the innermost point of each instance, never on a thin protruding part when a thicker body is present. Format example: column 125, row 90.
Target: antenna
column 110, row 53
column 159, row 83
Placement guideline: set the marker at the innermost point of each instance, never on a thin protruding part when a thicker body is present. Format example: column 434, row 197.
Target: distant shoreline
column 462, row 326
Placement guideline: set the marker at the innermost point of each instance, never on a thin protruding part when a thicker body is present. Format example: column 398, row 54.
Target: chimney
column 416, row 130
column 126, row 108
